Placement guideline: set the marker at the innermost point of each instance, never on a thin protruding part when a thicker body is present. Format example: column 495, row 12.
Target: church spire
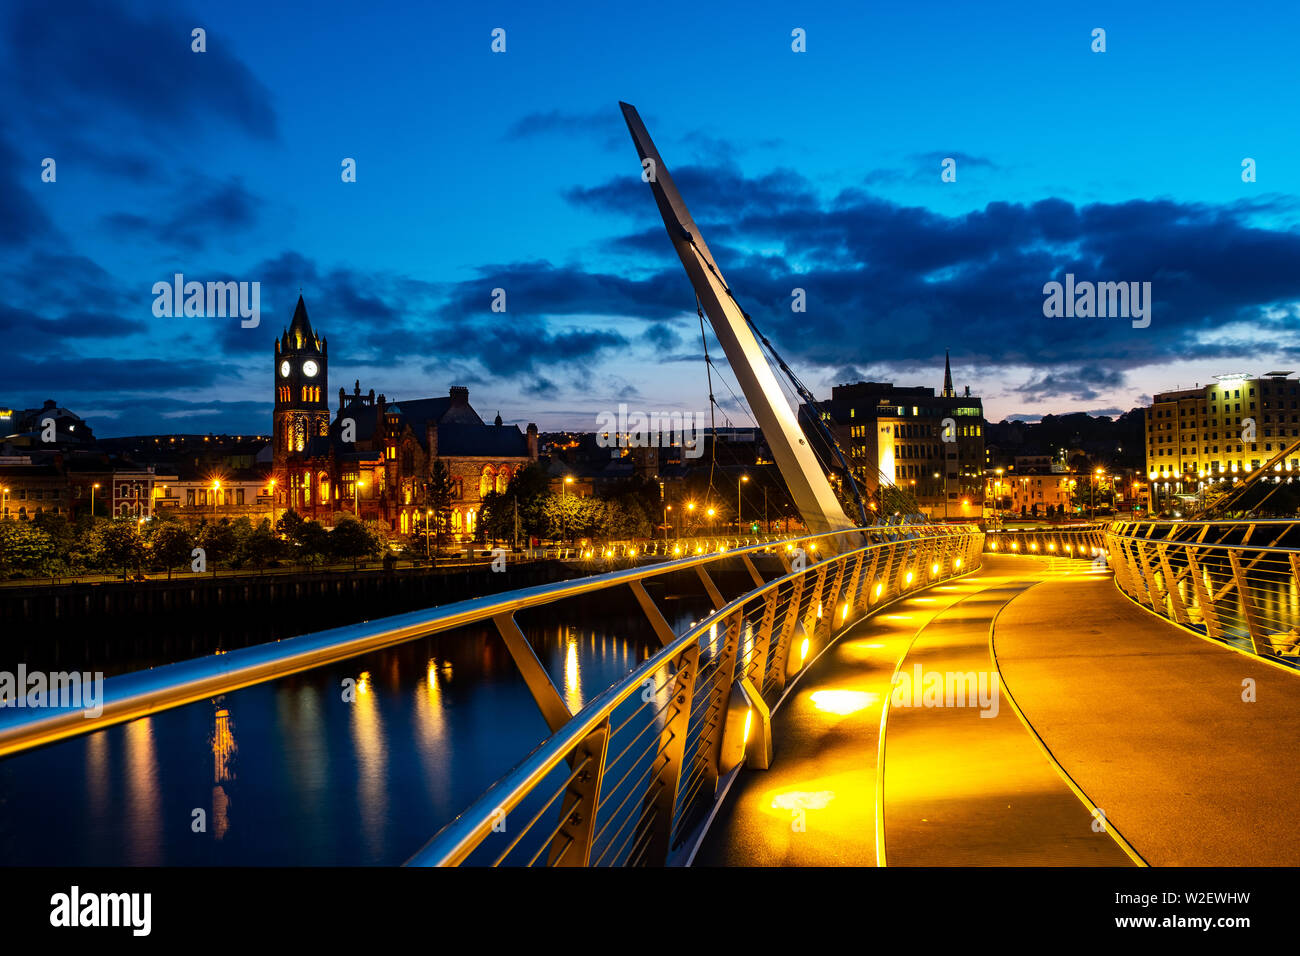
column 948, row 391
column 300, row 331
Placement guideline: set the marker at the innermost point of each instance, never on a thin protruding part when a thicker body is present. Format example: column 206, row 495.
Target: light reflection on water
column 290, row 773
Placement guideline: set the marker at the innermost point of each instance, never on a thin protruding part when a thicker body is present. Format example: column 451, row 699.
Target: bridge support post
column 1209, row 613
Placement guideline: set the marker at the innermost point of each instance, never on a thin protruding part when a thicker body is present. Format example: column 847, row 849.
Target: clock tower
column 301, row 387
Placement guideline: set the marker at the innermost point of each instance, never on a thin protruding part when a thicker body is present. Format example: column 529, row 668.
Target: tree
column 117, row 544
column 313, row 542
column 441, row 489
column 351, row 539
column 290, row 526
column 171, row 545
column 260, row 546
column 218, row 542
column 24, row 547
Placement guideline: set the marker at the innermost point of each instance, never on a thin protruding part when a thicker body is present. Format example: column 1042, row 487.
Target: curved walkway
column 958, row 788
column 1154, row 725
column 1102, row 709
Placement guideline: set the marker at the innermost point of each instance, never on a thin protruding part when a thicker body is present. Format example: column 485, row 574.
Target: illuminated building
column 376, row 456
column 898, row 433
column 1202, row 436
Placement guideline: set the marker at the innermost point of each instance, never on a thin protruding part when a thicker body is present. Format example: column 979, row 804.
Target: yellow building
column 1200, row 436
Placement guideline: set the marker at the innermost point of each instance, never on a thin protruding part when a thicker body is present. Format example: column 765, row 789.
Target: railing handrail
column 140, row 693
column 455, row 841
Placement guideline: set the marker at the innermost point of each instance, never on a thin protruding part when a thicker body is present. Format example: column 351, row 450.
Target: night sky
column 478, row 170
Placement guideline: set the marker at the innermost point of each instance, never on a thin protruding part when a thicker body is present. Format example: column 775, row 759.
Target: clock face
column 310, row 368
column 284, row 369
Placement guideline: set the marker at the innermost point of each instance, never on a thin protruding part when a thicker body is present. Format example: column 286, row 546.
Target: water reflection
column 292, row 773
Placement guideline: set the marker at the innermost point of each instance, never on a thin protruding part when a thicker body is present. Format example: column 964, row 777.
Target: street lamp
column 6, row 500
column 272, row 504
column 92, row 499
column 743, row 479
column 667, row 508
column 216, row 489
column 356, row 497
column 428, row 514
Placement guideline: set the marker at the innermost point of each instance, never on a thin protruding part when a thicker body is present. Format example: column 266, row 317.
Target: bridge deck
column 1144, row 701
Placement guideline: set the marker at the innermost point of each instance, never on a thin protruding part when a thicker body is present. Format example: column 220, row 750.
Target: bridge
column 903, row 693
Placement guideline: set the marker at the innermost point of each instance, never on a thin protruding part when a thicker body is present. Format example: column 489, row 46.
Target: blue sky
column 478, row 170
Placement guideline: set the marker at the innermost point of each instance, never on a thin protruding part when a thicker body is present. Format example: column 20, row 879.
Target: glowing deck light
column 1015, row 545
column 879, row 588
column 819, row 612
column 1033, row 546
column 957, row 563
column 844, row 610
column 803, row 651
column 631, row 553
column 1051, row 546
column 993, row 545
column 908, row 577
column 842, row 702
column 749, row 719
column 934, row 569
column 677, row 549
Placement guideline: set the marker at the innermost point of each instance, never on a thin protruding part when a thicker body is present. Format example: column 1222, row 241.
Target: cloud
column 100, row 62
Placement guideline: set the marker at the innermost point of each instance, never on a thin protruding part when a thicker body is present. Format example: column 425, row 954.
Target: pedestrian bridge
column 902, row 695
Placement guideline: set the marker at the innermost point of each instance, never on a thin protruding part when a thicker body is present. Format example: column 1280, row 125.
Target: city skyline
column 225, row 165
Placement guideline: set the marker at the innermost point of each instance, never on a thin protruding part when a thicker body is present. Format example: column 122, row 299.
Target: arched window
column 503, row 479
column 485, row 481
column 323, row 484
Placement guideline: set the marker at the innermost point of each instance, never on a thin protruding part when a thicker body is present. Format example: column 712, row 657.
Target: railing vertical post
column 571, row 845
column 1204, row 599
column 816, row 602
column 788, row 622
column 672, row 747
column 1171, row 586
column 756, row 666
column 715, row 714
column 1149, row 576
column 1248, row 611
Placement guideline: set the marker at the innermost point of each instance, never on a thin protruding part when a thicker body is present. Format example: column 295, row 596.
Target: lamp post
column 743, row 479
column 216, row 493
column 273, row 504
column 356, row 497
column 6, row 501
column 667, row 508
column 428, row 513
column 92, row 500
column 711, row 512
column 943, row 490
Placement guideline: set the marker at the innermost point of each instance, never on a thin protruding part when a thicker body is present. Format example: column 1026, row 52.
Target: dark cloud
column 198, row 212
column 98, row 61
column 894, row 282
column 107, row 373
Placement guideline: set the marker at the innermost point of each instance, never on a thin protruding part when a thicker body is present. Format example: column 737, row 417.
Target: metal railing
column 1080, row 541
column 632, row 778
column 1234, row 581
